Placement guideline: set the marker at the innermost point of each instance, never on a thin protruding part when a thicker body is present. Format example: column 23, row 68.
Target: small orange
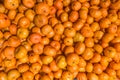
column 42, row 8
column 35, row 67
column 33, row 57
column 11, row 4
column 72, row 59
column 53, row 66
column 4, row 21
column 81, row 76
column 45, row 69
column 24, row 22
column 73, row 16
column 38, row 48
column 14, row 41
column 49, row 50
column 28, row 3
column 23, row 67
column 9, row 52
column 28, row 75
column 35, row 38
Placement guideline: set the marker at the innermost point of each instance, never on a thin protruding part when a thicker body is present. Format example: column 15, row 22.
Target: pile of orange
column 59, row 39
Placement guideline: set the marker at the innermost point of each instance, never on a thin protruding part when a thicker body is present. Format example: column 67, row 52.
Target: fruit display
column 59, row 39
